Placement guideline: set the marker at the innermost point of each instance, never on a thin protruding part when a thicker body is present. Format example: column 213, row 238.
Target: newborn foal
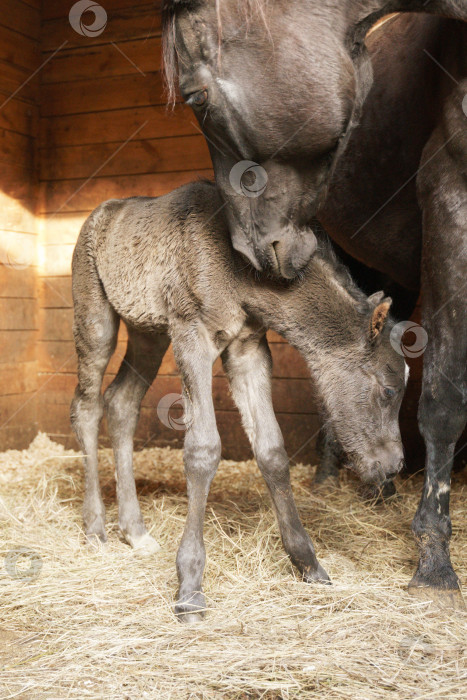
column 165, row 266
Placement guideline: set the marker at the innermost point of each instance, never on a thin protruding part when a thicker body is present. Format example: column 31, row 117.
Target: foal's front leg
column 202, row 450
column 248, row 365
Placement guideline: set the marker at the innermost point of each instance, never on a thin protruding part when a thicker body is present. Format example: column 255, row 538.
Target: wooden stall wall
column 19, row 93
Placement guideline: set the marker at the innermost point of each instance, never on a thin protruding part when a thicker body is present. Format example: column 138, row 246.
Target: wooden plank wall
column 105, row 132
column 19, row 91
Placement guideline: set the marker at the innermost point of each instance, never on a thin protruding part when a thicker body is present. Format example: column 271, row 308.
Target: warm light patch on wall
column 18, row 234
column 57, row 237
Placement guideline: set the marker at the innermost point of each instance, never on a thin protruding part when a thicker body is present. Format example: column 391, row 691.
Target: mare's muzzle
column 283, row 253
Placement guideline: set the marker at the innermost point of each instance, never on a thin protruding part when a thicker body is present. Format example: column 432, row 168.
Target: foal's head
column 362, row 385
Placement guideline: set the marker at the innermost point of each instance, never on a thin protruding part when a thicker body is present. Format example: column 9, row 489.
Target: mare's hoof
column 446, row 599
column 318, row 575
column 326, row 482
column 379, row 494
column 144, row 545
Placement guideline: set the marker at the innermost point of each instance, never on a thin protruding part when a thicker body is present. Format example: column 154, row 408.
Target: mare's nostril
column 275, row 255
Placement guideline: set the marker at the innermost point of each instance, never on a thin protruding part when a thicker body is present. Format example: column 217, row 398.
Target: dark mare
column 308, row 117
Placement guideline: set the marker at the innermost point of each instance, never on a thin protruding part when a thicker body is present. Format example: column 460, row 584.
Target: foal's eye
column 198, row 99
column 388, row 392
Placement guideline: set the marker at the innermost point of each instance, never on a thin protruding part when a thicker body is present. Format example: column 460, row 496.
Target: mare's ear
column 454, row 9
column 379, row 315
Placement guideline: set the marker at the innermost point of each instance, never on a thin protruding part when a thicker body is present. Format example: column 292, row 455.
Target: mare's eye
column 198, row 99
column 388, row 392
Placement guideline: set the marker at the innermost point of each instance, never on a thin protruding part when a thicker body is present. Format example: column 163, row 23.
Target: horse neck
column 316, row 314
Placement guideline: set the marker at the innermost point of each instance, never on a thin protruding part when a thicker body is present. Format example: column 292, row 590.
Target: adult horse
column 284, row 91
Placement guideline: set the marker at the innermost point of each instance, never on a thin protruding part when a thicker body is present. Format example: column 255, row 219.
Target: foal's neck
column 314, row 314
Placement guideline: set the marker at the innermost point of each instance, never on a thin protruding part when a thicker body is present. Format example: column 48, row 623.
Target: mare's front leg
column 247, row 362
column 195, row 355
column 329, row 456
column 443, row 404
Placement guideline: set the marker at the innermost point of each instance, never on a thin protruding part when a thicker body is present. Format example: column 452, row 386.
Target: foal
column 166, row 267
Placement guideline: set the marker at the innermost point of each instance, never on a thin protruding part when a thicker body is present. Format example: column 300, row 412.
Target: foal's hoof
column 318, row 575
column 96, row 539
column 190, row 609
column 446, row 599
column 190, row 618
column 144, row 545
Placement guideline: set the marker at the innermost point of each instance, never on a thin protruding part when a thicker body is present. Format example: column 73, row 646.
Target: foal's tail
column 95, row 321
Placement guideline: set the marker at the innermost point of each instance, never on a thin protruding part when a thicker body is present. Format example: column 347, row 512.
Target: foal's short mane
column 170, row 11
column 341, row 272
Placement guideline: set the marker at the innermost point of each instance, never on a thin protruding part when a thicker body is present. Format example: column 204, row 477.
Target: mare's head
column 277, row 87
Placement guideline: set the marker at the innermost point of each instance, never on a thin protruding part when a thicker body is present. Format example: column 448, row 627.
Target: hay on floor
column 98, row 623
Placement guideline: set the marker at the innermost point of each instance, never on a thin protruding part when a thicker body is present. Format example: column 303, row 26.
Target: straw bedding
column 98, row 622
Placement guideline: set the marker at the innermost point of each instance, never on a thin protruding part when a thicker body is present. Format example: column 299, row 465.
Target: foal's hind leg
column 248, row 365
column 95, row 331
column 123, row 401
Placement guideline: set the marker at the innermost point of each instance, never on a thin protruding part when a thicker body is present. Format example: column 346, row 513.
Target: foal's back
column 164, row 257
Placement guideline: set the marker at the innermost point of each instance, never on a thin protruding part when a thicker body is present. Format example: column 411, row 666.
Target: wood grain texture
column 135, row 21
column 116, row 125
column 22, row 18
column 55, row 9
column 122, row 58
column 89, row 95
column 131, row 157
column 71, row 196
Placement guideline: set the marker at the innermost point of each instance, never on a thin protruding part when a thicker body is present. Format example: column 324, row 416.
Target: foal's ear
column 379, row 315
column 375, row 299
